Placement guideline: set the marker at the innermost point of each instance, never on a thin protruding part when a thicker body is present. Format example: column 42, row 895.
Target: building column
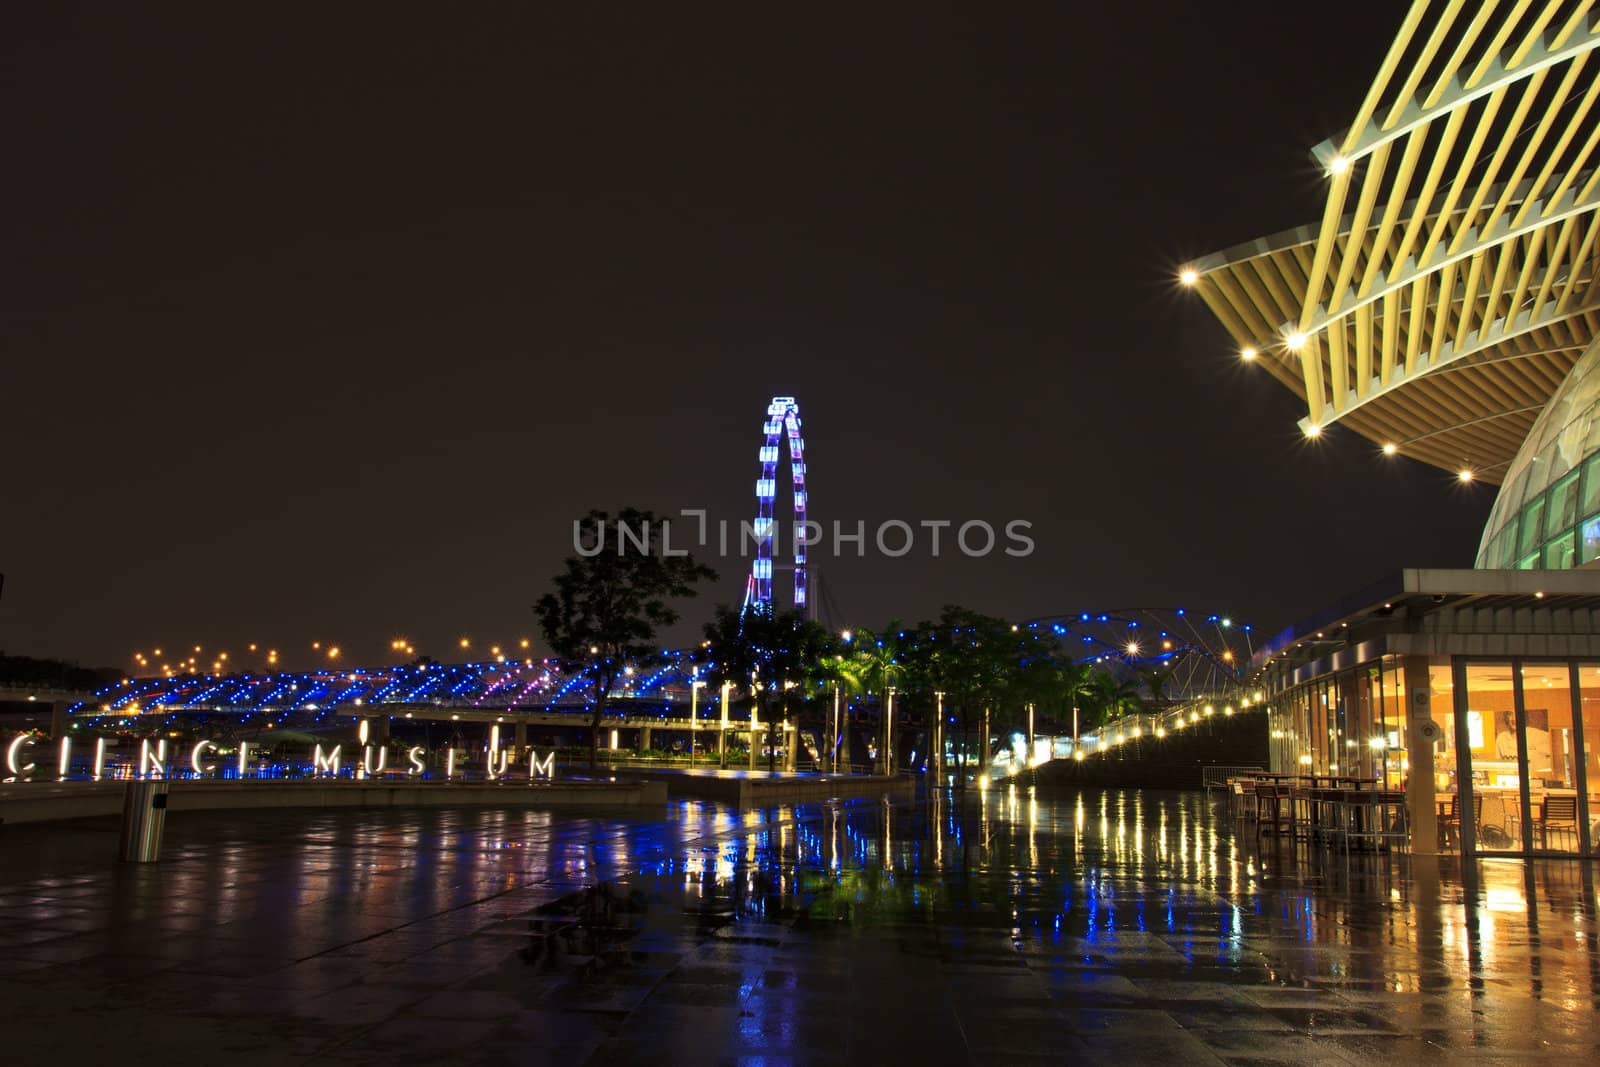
column 1420, row 787
column 792, row 737
column 1357, row 726
column 519, row 735
column 644, row 738
column 58, row 719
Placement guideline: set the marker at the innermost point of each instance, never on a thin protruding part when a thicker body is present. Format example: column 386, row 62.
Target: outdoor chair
column 1378, row 817
column 1559, row 814
column 1450, row 820
column 1274, row 809
column 1243, row 797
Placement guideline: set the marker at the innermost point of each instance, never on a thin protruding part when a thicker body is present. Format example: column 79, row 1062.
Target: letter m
column 328, row 764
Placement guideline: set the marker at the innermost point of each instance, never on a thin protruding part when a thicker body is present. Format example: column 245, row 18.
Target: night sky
column 322, row 322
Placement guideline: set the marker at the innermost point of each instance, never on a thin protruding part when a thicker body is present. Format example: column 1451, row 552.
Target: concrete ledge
column 40, row 801
column 758, row 790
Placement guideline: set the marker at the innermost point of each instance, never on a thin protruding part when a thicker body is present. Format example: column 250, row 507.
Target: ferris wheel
column 782, row 424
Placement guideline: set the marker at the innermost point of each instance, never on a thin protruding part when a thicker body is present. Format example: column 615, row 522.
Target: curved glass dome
column 1547, row 516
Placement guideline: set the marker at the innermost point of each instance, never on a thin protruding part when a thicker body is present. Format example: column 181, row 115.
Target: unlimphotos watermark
column 891, row 537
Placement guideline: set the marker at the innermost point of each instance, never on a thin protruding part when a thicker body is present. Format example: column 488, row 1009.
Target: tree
column 766, row 650
column 881, row 661
column 1072, row 689
column 1156, row 680
column 1113, row 696
column 835, row 670
column 968, row 656
column 611, row 599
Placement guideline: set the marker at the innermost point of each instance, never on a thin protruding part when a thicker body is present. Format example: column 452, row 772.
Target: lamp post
column 888, row 732
column 694, row 695
column 722, row 734
column 938, row 736
column 1030, row 734
column 836, row 729
column 755, row 708
column 790, row 743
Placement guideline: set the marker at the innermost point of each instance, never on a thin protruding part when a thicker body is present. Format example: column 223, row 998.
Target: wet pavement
column 1117, row 927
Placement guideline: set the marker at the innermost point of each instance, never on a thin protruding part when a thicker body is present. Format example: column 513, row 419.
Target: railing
column 1216, row 775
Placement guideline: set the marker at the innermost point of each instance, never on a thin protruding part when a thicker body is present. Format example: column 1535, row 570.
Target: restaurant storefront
column 1477, row 698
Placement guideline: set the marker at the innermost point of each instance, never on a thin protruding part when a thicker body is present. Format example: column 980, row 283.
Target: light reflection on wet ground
column 1119, row 926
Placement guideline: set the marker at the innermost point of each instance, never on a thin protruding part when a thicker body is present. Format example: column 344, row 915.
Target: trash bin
column 144, row 816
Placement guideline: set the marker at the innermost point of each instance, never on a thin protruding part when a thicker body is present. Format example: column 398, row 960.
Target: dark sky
column 323, row 321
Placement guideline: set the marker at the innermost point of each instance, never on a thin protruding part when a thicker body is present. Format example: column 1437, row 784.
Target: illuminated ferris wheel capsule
column 783, row 421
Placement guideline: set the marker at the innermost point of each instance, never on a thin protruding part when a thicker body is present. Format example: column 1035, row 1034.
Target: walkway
column 1116, row 927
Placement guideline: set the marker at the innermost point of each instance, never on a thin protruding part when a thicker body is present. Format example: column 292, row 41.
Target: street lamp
column 836, row 729
column 722, row 734
column 694, row 697
column 755, row 715
column 790, row 744
column 888, row 732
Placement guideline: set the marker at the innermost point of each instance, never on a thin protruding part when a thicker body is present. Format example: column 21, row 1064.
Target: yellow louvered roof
column 1447, row 290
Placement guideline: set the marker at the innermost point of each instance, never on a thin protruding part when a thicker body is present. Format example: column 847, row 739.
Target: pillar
column 644, row 738
column 58, row 719
column 379, row 730
column 792, row 736
column 519, row 736
column 1420, row 787
column 1357, row 727
column 844, row 740
column 755, row 740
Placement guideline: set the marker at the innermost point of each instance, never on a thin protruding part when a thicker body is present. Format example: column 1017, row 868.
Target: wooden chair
column 1559, row 814
column 1274, row 809
column 1450, row 821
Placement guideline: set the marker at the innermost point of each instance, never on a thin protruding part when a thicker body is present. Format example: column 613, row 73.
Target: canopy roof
column 1447, row 290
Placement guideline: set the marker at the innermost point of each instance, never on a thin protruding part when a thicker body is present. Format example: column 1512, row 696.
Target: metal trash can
column 144, row 817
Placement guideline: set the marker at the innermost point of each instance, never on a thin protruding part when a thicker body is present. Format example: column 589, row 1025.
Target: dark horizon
column 329, row 328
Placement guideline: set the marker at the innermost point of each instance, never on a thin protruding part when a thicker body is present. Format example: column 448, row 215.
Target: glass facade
column 1516, row 749
column 1547, row 515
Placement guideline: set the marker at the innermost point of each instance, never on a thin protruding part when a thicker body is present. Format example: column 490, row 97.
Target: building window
column 1532, row 527
column 1590, row 543
column 1591, row 485
column 1560, row 554
column 1563, row 507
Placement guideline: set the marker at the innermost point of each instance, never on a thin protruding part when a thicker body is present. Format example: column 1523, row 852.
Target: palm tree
column 880, row 660
column 1074, row 686
column 847, row 676
column 1114, row 697
column 1156, row 680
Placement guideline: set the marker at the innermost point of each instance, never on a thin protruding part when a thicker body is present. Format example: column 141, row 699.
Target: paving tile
column 279, row 938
